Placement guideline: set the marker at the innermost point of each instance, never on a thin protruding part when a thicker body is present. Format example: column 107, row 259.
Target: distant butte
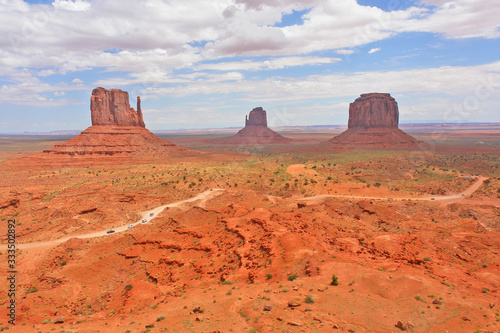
column 373, row 123
column 117, row 130
column 255, row 132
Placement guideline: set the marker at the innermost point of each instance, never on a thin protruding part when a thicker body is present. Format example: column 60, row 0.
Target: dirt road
column 473, row 188
column 206, row 195
column 203, row 196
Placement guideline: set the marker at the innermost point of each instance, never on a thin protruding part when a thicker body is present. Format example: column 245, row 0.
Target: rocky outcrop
column 255, row 132
column 257, row 117
column 373, row 123
column 112, row 107
column 117, row 131
column 374, row 110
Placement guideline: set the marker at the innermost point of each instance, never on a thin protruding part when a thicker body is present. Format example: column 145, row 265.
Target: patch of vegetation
column 128, row 287
column 420, row 299
column 227, row 282
column 335, row 281
column 269, row 276
column 309, row 299
column 292, row 277
column 160, row 318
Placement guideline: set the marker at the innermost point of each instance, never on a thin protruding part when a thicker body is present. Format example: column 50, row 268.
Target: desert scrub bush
column 32, row 290
column 335, row 281
column 269, row 276
column 160, row 318
column 227, row 282
column 292, row 277
column 309, row 299
column 427, row 259
column 128, row 287
column 420, row 299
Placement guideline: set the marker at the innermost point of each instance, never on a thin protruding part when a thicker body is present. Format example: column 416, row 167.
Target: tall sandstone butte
column 256, row 117
column 373, row 123
column 374, row 110
column 112, row 107
column 255, row 132
column 117, row 130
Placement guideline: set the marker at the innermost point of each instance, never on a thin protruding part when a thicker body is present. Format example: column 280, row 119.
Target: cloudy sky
column 205, row 64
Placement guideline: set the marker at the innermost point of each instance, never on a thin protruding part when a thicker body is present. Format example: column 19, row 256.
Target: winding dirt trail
column 203, row 196
column 206, row 195
column 473, row 188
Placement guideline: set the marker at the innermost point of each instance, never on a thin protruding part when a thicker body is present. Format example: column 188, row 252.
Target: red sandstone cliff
column 374, row 110
column 373, row 123
column 117, row 130
column 112, row 107
column 256, row 117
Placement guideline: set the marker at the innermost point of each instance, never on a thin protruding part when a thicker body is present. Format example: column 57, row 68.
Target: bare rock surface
column 112, row 107
column 117, row 130
column 373, row 123
column 255, row 132
column 374, row 110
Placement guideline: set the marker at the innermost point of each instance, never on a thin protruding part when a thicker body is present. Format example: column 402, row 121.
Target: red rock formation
column 255, row 132
column 373, row 123
column 117, row 130
column 374, row 110
column 257, row 117
column 112, row 107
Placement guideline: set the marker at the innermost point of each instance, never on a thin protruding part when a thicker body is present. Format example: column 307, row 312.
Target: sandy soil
column 258, row 252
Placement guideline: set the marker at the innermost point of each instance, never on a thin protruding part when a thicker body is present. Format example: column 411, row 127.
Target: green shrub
column 310, row 299
column 335, row 281
column 128, row 287
column 227, row 282
column 160, row 318
column 269, row 276
column 292, row 277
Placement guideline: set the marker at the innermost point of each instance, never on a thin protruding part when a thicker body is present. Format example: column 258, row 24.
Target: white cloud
column 77, row 81
column 46, row 72
column 344, row 51
column 273, row 63
column 74, row 35
column 459, row 19
column 76, row 5
column 374, row 50
column 457, row 82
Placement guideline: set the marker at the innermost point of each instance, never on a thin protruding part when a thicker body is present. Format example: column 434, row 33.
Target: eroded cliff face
column 373, row 123
column 257, row 117
column 374, row 110
column 117, row 130
column 112, row 107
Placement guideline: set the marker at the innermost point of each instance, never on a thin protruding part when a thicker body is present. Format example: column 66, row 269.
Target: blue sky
column 201, row 64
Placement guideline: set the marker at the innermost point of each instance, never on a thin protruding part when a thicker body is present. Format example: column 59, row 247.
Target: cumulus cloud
column 76, row 5
column 456, row 81
column 459, row 19
column 273, row 63
column 75, row 35
column 374, row 50
column 344, row 51
column 174, row 48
